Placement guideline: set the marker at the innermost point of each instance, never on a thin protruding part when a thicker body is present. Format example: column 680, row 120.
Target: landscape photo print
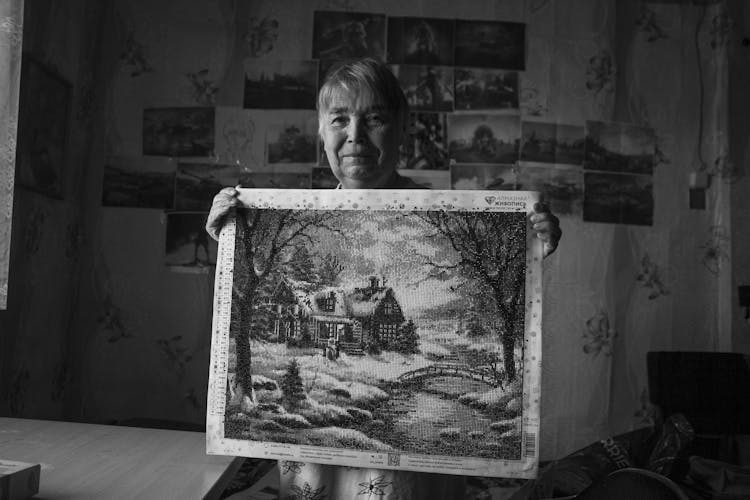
column 396, row 329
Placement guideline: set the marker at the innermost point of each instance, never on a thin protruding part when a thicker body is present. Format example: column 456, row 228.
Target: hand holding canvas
column 224, row 201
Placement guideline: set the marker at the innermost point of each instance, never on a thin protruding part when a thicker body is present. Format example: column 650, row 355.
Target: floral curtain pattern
column 11, row 37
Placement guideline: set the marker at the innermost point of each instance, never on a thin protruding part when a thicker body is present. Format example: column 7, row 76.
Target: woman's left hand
column 546, row 226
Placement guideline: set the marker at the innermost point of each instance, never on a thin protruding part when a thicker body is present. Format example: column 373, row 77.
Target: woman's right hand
column 223, row 203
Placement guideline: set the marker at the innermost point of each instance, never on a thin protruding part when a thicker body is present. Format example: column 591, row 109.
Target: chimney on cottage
column 374, row 282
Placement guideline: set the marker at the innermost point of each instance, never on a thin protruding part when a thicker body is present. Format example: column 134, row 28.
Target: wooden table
column 87, row 461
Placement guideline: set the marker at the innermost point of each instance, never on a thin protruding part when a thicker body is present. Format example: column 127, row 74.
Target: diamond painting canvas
column 379, row 328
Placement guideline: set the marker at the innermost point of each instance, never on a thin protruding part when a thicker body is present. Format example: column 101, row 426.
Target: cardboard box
column 18, row 480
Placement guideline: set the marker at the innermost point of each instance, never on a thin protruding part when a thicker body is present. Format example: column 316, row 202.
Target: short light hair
column 369, row 80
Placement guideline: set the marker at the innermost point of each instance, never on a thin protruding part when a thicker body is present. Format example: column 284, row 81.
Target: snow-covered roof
column 360, row 302
column 353, row 303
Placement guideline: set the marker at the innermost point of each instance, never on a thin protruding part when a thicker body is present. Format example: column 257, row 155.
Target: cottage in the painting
column 352, row 318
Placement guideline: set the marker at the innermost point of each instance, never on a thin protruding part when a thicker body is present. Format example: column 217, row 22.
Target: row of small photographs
column 597, row 196
column 276, row 84
column 435, row 140
column 341, row 35
column 191, row 186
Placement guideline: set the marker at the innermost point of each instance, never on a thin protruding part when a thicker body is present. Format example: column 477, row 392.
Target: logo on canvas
column 505, row 202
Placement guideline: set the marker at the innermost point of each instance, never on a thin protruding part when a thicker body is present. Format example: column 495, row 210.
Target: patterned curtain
column 11, row 34
column 615, row 292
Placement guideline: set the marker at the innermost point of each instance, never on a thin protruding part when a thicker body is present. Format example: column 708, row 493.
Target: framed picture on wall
column 141, row 182
column 348, row 35
column 489, row 89
column 416, row 40
column 44, row 108
column 490, row 44
column 280, row 84
column 484, row 138
column 427, row 88
column 178, row 131
column 426, row 147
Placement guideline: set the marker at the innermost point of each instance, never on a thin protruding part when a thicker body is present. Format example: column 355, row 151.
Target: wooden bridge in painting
column 451, row 370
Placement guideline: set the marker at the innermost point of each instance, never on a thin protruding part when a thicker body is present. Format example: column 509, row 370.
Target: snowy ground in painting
column 357, row 402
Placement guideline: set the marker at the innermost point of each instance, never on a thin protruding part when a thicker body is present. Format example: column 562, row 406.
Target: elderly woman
column 363, row 116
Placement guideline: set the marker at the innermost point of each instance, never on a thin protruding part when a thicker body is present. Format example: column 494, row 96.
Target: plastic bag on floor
column 718, row 480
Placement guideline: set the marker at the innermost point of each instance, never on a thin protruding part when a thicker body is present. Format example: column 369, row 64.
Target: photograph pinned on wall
column 323, row 178
column 44, row 108
column 619, row 147
column 440, row 179
column 480, row 138
column 238, row 140
column 419, row 40
column 570, row 145
column 139, row 182
column 618, row 198
column 426, row 145
column 551, row 143
column 486, row 89
column 487, row 177
column 277, row 180
column 188, row 246
column 366, row 341
column 348, row 35
column 638, row 146
column 427, row 88
column 490, row 44
column 273, row 84
column 561, row 188
column 293, row 139
column 538, row 142
column 198, row 182
column 178, row 132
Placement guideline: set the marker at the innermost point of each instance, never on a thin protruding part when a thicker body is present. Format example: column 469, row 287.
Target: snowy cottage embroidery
column 351, row 320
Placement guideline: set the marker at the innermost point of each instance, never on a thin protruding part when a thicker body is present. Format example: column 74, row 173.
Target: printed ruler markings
column 223, row 308
column 529, row 445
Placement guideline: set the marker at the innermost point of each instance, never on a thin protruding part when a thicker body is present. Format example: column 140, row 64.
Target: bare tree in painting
column 491, row 249
column 269, row 244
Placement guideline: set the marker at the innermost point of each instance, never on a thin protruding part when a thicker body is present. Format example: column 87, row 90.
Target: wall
column 128, row 337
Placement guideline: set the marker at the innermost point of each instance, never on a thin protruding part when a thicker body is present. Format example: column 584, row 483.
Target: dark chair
column 712, row 389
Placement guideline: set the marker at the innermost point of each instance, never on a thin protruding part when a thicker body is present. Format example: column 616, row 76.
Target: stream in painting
column 429, row 419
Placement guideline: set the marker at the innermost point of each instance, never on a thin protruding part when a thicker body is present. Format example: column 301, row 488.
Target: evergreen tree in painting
column 291, row 385
column 408, row 339
column 301, row 268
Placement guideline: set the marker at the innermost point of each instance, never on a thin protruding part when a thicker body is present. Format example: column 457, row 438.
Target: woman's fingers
column 223, row 202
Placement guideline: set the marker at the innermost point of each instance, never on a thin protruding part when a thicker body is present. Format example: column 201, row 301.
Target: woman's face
column 361, row 139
